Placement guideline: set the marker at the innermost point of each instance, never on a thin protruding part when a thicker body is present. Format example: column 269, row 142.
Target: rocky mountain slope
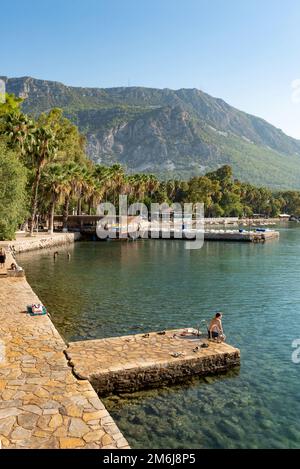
column 172, row 133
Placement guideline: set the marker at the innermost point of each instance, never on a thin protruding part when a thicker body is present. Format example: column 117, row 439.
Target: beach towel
column 36, row 310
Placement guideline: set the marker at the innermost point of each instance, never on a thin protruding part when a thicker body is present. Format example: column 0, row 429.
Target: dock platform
column 208, row 235
column 131, row 363
column 245, row 236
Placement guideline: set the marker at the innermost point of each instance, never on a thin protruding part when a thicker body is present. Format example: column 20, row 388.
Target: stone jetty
column 130, row 363
column 242, row 236
column 42, row 403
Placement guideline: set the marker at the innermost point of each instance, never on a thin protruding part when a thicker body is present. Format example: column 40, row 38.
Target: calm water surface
column 110, row 289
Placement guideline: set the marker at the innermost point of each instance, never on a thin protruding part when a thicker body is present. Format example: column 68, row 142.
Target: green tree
column 36, row 144
column 54, row 185
column 223, row 175
column 204, row 190
column 10, row 105
column 69, row 141
column 73, row 188
column 43, row 151
column 290, row 202
column 12, row 192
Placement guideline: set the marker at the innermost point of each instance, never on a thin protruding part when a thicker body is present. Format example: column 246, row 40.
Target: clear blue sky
column 244, row 51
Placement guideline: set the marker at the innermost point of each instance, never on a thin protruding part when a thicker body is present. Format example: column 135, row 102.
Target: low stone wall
column 43, row 241
column 161, row 375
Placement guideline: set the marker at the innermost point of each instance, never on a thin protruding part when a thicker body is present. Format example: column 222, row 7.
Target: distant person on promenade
column 2, row 258
column 215, row 330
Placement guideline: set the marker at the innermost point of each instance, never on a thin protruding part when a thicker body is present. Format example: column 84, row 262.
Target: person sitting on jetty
column 215, row 330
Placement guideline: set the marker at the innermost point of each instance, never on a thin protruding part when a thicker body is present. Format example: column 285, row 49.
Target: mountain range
column 171, row 133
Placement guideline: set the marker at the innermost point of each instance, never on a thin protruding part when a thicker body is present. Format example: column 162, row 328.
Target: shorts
column 213, row 335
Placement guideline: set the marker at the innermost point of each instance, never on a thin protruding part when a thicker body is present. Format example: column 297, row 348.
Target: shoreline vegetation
column 45, row 171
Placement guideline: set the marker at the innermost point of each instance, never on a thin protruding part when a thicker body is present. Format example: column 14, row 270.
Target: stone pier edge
column 110, row 437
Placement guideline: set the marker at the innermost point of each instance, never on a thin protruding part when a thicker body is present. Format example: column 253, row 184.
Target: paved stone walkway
column 148, row 360
column 42, row 404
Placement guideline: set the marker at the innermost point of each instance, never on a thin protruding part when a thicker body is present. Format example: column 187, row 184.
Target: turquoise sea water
column 116, row 288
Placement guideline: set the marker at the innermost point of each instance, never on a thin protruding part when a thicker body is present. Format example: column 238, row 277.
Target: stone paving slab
column 42, row 404
column 147, row 360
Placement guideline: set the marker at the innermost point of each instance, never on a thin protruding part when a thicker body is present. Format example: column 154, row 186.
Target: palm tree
column 139, row 184
column 117, row 180
column 153, row 184
column 54, row 184
column 44, row 149
column 83, row 183
column 20, row 130
column 96, row 195
column 104, row 177
column 88, row 189
column 36, row 143
column 73, row 174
